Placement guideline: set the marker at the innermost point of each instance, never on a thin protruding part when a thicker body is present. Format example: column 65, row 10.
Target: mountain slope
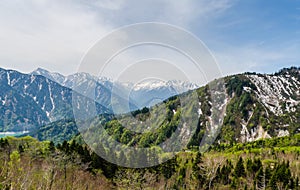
column 262, row 106
column 42, row 99
column 257, row 106
column 32, row 100
column 139, row 95
column 57, row 131
column 17, row 112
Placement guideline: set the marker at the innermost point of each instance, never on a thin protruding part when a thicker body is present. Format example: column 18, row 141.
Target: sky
column 242, row 35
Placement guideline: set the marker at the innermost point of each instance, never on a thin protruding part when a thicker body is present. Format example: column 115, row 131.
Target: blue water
column 5, row 134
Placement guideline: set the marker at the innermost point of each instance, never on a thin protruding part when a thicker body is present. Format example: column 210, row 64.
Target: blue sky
column 243, row 35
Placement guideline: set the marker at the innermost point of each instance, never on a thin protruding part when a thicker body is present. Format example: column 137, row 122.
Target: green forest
column 266, row 164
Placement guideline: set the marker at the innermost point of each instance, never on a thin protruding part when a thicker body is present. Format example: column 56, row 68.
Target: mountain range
column 257, row 105
column 29, row 101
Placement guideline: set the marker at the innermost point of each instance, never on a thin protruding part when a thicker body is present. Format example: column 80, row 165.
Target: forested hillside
column 258, row 106
column 266, row 164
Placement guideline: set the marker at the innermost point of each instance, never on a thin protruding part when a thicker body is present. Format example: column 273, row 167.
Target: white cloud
column 55, row 34
column 47, row 34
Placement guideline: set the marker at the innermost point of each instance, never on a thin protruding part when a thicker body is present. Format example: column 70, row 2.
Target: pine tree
column 260, row 179
column 292, row 184
column 233, row 184
column 65, row 147
column 249, row 166
column 168, row 168
column 268, row 174
column 257, row 165
column 21, row 149
column 272, row 183
column 86, row 157
column 196, row 168
column 51, row 147
column 97, row 161
column 1, row 142
column 239, row 170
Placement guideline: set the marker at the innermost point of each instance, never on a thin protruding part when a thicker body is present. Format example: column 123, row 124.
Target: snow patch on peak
column 50, row 75
column 273, row 90
column 179, row 86
column 150, row 84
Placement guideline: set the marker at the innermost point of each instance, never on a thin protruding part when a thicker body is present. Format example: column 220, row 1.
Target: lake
column 12, row 133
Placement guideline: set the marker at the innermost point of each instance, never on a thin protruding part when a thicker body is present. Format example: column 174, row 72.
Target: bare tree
column 209, row 168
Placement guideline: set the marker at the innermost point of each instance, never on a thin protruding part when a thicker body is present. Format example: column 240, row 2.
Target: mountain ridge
column 140, row 94
column 49, row 96
column 249, row 115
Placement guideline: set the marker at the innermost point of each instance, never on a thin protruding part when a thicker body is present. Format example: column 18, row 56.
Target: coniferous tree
column 268, row 174
column 168, row 168
column 86, row 157
column 239, row 170
column 65, row 147
column 196, row 168
column 292, row 184
column 226, row 172
column 21, row 149
column 233, row 183
column 249, row 166
column 257, row 165
column 51, row 147
column 97, row 161
column 272, row 183
column 260, row 179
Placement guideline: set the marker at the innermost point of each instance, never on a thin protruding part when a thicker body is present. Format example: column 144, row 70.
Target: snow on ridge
column 273, row 90
column 179, row 86
column 8, row 78
column 51, row 98
column 199, row 110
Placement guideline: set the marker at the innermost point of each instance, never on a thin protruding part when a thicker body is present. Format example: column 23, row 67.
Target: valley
column 255, row 145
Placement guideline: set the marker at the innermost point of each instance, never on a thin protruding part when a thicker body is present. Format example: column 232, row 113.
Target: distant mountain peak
column 141, row 92
column 54, row 76
column 40, row 70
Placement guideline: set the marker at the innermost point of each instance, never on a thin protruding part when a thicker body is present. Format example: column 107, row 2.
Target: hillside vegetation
column 266, row 164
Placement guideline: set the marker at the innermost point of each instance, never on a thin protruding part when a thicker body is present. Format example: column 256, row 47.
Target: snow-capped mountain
column 50, row 75
column 257, row 105
column 30, row 100
column 35, row 99
column 98, row 89
column 150, row 92
column 179, row 86
column 140, row 95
